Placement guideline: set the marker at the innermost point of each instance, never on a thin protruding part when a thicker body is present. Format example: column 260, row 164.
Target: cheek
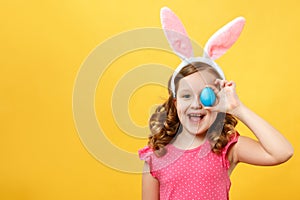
column 213, row 117
column 182, row 106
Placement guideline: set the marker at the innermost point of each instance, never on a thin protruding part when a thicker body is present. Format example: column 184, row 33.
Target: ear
column 224, row 38
column 176, row 34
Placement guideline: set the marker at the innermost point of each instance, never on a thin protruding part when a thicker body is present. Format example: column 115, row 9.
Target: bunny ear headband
column 215, row 47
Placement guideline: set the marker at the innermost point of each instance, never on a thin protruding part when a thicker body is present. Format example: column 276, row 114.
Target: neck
column 186, row 140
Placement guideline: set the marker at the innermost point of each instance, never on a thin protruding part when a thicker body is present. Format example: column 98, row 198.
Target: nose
column 196, row 103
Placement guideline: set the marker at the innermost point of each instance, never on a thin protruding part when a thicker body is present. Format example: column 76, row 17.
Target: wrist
column 238, row 111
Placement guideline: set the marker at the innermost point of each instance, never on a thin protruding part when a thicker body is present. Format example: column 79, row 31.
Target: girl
column 194, row 146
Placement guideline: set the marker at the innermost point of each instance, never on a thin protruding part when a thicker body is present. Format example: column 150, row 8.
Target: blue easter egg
column 207, row 97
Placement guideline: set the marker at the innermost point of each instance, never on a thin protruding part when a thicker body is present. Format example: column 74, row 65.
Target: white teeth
column 195, row 115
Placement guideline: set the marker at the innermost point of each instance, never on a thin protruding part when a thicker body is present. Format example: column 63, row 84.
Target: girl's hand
column 227, row 99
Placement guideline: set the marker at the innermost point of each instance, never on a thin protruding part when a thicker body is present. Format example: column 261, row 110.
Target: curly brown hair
column 164, row 122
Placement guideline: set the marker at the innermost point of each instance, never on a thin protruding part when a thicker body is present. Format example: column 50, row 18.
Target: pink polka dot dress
column 186, row 175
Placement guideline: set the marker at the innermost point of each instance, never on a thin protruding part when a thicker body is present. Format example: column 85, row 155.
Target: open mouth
column 196, row 117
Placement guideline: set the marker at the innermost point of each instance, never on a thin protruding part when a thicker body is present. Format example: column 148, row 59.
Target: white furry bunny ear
column 176, row 34
column 224, row 38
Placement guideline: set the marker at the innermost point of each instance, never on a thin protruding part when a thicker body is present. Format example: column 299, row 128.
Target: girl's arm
column 271, row 148
column 150, row 185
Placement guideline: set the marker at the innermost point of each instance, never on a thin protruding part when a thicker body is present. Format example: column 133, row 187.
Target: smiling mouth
column 195, row 117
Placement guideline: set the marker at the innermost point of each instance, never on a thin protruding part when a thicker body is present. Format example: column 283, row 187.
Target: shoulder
column 145, row 153
column 233, row 139
column 229, row 149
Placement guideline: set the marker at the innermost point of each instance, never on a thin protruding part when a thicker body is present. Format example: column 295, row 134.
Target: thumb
column 212, row 109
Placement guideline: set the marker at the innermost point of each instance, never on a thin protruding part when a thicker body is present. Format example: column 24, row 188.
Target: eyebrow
column 183, row 90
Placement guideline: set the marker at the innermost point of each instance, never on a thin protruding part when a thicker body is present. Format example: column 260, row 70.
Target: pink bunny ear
column 176, row 34
column 224, row 38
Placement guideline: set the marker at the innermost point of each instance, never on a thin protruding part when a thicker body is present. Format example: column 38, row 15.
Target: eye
column 186, row 96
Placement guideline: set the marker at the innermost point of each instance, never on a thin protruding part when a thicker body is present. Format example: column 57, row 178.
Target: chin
column 198, row 131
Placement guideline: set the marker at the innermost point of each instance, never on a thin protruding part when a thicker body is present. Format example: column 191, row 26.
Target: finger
column 211, row 109
column 231, row 84
column 222, row 83
column 219, row 82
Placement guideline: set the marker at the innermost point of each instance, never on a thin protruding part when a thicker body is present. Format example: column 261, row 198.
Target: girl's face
column 194, row 119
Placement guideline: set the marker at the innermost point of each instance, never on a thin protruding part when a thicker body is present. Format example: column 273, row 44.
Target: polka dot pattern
column 184, row 175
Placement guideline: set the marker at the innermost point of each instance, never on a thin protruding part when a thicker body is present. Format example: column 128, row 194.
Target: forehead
column 197, row 80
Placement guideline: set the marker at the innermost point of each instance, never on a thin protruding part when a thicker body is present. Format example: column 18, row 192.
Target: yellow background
column 43, row 44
